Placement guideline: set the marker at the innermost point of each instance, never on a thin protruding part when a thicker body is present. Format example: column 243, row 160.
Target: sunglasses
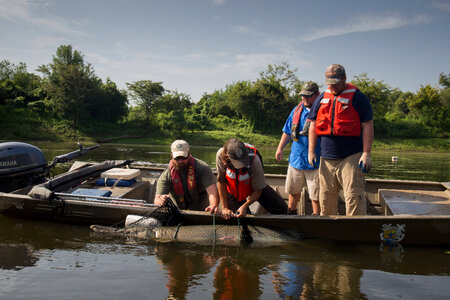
column 307, row 96
column 181, row 158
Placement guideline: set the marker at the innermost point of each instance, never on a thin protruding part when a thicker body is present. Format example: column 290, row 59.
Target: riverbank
column 217, row 138
column 213, row 138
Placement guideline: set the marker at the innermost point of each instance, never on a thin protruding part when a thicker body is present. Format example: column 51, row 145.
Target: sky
column 200, row 46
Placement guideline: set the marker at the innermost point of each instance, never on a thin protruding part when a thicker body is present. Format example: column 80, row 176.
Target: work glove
column 365, row 162
column 312, row 159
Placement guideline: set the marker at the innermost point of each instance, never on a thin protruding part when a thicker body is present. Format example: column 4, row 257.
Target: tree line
column 68, row 91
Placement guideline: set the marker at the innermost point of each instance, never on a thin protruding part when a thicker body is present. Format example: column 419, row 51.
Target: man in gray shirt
column 189, row 182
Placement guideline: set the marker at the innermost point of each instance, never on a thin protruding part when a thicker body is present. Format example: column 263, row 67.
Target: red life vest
column 296, row 121
column 239, row 182
column 176, row 179
column 336, row 114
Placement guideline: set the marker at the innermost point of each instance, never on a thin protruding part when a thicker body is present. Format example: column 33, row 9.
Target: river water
column 49, row 260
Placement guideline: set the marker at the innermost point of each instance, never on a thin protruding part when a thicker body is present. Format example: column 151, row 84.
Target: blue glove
column 365, row 162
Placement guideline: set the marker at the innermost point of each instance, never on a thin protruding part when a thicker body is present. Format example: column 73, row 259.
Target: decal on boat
column 392, row 233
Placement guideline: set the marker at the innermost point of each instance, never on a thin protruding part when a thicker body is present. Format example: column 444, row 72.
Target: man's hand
column 242, row 211
column 161, row 199
column 227, row 213
column 312, row 159
column 365, row 162
column 279, row 154
column 212, row 209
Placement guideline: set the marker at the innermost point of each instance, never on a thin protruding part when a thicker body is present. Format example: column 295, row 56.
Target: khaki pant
column 337, row 174
column 296, row 179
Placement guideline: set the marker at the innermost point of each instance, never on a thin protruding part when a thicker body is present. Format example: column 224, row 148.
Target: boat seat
column 415, row 202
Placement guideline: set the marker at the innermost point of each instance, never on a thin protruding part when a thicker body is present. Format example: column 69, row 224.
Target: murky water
column 49, row 260
column 410, row 165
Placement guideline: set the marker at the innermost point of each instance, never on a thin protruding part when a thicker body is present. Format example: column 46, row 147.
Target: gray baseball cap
column 334, row 74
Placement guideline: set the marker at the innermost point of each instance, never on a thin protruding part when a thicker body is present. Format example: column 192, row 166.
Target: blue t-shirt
column 335, row 147
column 298, row 158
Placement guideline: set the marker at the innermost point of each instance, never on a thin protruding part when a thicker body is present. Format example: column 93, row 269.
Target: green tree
column 16, row 83
column 284, row 75
column 378, row 92
column 146, row 93
column 110, row 103
column 444, row 80
column 70, row 83
column 428, row 107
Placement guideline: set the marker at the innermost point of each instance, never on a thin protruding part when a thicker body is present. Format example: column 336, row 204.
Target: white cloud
column 365, row 24
column 27, row 11
column 443, row 6
column 218, row 2
column 241, row 29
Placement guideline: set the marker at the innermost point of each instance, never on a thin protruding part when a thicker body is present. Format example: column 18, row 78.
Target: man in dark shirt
column 342, row 116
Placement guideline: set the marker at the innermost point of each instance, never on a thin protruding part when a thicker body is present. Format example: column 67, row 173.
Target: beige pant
column 296, row 179
column 337, row 174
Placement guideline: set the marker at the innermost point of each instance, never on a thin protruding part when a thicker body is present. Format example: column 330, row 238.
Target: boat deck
column 415, row 202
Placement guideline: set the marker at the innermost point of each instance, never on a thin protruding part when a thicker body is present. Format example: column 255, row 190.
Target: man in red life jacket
column 342, row 116
column 189, row 182
column 241, row 181
column 300, row 173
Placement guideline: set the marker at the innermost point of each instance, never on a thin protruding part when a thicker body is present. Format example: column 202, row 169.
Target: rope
column 239, row 230
column 214, row 227
column 176, row 232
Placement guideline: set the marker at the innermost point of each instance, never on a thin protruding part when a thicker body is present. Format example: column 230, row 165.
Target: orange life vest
column 176, row 179
column 336, row 114
column 239, row 182
column 296, row 121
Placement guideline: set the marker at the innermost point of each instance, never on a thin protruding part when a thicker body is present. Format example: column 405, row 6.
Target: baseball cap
column 180, row 148
column 237, row 153
column 334, row 74
column 309, row 88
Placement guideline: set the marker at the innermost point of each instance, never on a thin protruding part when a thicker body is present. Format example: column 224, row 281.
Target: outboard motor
column 23, row 164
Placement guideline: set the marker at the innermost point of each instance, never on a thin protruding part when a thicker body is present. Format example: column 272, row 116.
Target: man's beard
column 180, row 167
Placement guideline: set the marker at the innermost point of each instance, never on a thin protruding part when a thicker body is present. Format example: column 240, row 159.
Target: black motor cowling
column 21, row 165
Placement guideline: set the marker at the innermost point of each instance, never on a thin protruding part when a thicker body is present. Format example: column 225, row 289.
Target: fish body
column 226, row 234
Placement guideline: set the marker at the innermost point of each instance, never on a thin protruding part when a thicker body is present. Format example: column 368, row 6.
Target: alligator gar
column 201, row 233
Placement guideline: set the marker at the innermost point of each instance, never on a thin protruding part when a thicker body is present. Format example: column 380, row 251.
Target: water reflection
column 16, row 257
column 310, row 269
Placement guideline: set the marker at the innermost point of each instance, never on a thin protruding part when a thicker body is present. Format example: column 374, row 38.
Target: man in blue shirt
column 300, row 173
column 342, row 117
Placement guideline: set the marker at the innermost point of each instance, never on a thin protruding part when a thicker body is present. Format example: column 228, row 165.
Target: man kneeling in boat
column 188, row 181
column 241, row 180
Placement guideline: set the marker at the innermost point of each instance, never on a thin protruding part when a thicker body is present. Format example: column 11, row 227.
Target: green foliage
column 17, row 83
column 427, row 106
column 146, row 93
column 70, row 83
column 379, row 94
column 76, row 93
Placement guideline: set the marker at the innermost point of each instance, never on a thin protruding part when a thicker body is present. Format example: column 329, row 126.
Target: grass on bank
column 217, row 138
column 25, row 125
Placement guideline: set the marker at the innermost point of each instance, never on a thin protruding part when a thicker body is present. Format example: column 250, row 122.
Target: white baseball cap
column 180, row 148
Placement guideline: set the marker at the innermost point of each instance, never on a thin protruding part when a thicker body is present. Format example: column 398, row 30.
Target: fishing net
column 167, row 214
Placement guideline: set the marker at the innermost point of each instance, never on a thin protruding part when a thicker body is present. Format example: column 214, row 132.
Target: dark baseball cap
column 309, row 88
column 237, row 153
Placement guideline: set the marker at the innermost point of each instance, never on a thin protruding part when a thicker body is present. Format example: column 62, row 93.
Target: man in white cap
column 188, row 181
column 342, row 116
column 241, row 181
